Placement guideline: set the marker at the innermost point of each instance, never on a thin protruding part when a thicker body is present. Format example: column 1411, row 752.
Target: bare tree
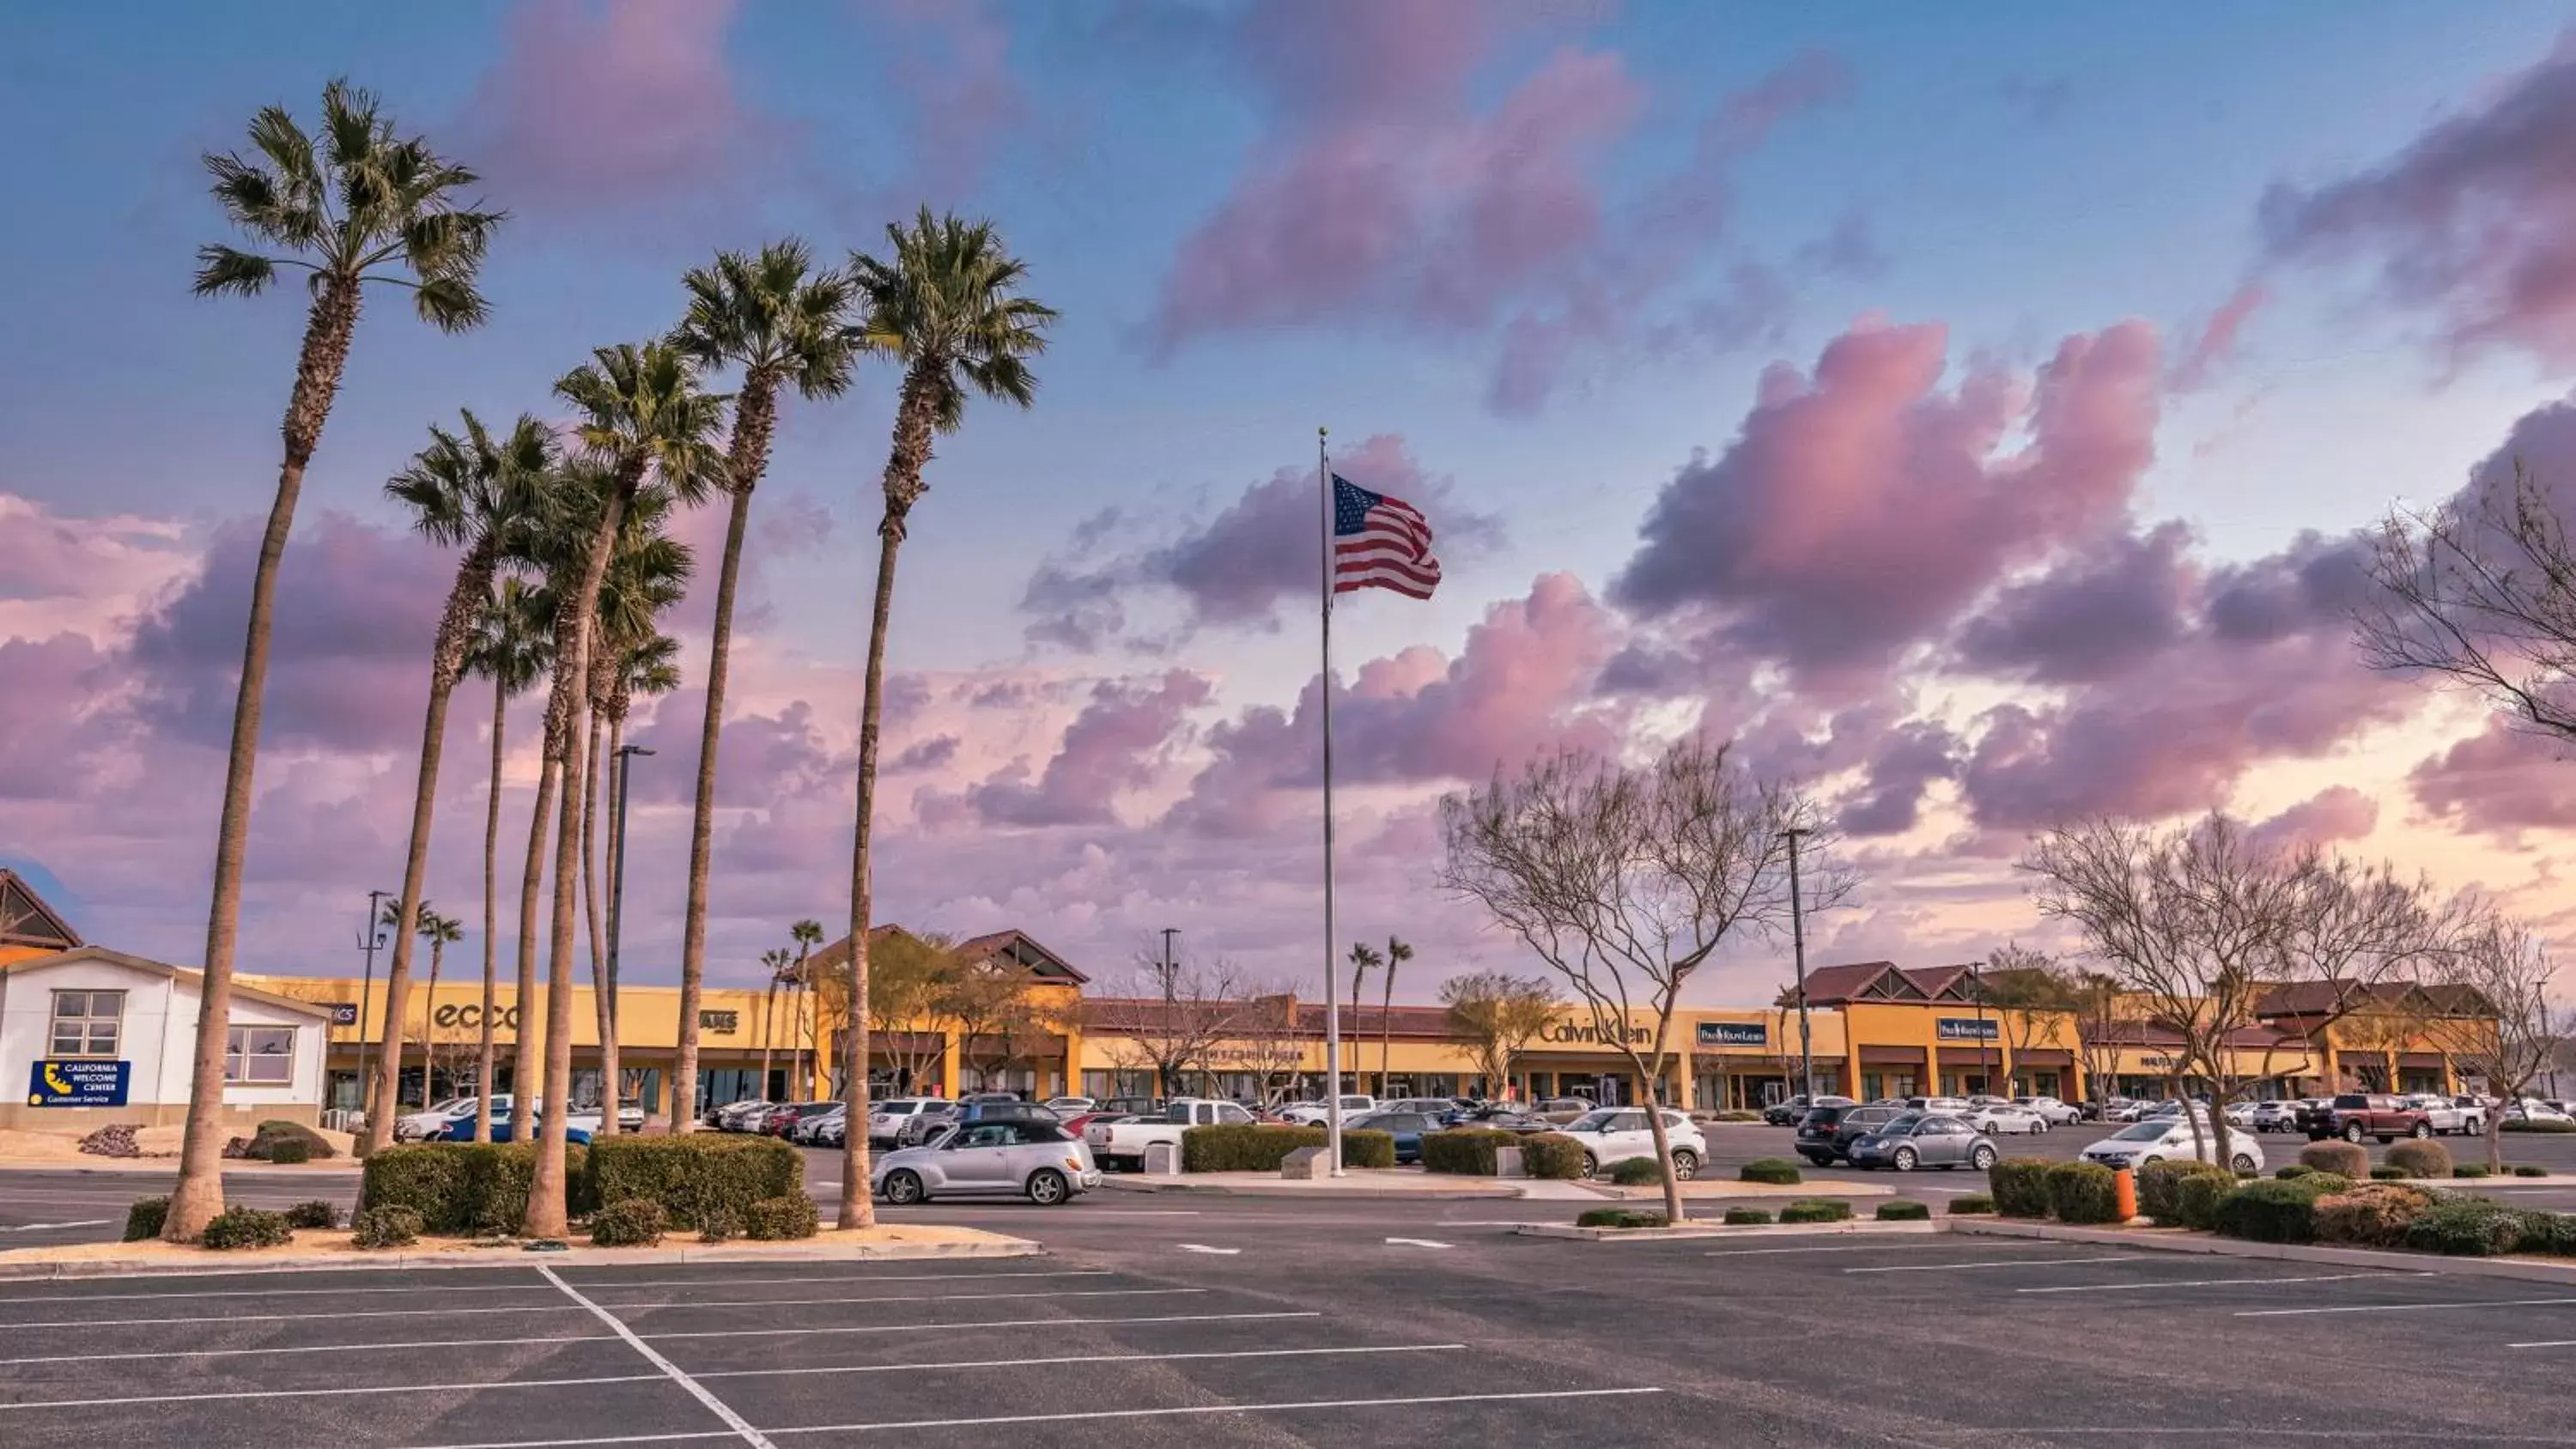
column 2489, row 999
column 1173, row 1019
column 2034, row 1003
column 1268, row 1043
column 997, row 1017
column 1499, row 1014
column 1626, row 880
column 910, row 978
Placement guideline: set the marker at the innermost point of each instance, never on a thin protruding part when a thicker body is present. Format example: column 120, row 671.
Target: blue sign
column 78, row 1084
column 1734, row 1033
column 344, row 1013
column 1967, row 1028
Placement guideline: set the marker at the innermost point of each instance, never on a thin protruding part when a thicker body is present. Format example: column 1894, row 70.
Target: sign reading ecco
column 505, row 1017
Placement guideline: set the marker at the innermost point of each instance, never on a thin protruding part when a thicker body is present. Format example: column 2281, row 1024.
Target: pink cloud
column 1121, row 742
column 2336, row 813
column 2500, row 781
column 2216, row 345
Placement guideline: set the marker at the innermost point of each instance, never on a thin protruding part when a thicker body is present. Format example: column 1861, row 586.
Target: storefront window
column 261, row 1056
column 86, row 1023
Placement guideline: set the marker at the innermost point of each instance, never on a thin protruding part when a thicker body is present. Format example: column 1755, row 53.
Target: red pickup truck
column 2356, row 1115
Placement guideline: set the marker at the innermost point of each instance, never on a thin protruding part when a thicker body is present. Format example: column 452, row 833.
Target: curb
column 171, row 1164
column 1719, row 1230
column 1341, row 1194
column 2168, row 1240
column 509, row 1258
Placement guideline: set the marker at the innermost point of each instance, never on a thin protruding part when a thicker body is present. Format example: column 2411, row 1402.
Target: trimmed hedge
column 1904, row 1210
column 634, row 1222
column 2518, row 1124
column 2372, row 1215
column 1777, row 1170
column 2389, row 1173
column 2528, row 1169
column 1747, row 1217
column 2421, row 1158
column 2020, row 1186
column 2293, row 1172
column 1619, row 1218
column 702, row 1180
column 2548, row 1232
column 775, row 1219
column 1636, row 1171
column 314, row 1214
column 1975, row 1204
column 473, row 1187
column 1817, row 1210
column 1552, row 1155
column 1466, row 1151
column 384, row 1227
column 1250, row 1147
column 245, row 1227
column 2469, row 1170
column 2083, row 1192
column 288, row 1151
column 2273, row 1211
column 2471, row 1227
column 2350, row 1159
column 145, row 1219
column 2161, row 1186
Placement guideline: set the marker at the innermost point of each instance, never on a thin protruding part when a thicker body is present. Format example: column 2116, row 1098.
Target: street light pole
column 369, row 941
column 1798, row 946
column 1977, row 986
column 1171, row 1002
column 617, row 913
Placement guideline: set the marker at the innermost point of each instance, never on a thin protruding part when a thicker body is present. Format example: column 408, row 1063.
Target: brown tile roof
column 25, row 919
column 1827, row 984
column 1022, row 949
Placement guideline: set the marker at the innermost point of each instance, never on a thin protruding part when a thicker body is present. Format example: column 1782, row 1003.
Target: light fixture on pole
column 1798, row 949
column 617, row 912
column 371, row 940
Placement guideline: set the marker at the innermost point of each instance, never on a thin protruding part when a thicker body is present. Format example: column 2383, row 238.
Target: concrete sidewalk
column 331, row 1249
column 2179, row 1240
column 1413, row 1185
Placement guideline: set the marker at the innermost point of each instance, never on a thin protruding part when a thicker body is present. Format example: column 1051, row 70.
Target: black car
column 1828, row 1132
column 1794, row 1111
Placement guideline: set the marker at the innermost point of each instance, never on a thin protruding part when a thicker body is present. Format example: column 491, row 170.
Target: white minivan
column 2161, row 1139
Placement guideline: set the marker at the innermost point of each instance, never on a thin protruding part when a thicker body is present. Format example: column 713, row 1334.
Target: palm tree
column 440, row 932
column 1364, row 959
column 807, row 934
column 766, row 315
column 1397, row 953
column 945, row 305
column 779, row 961
column 510, row 641
column 362, row 207
column 643, row 416
column 473, row 491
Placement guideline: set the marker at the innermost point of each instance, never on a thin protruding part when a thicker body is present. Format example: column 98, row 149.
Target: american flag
column 1380, row 542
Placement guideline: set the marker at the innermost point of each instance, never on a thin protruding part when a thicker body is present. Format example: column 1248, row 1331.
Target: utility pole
column 370, row 941
column 1977, row 984
column 1171, row 1004
column 1798, row 948
column 617, row 916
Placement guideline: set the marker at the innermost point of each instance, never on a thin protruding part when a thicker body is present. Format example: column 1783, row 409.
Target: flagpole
column 1332, row 1003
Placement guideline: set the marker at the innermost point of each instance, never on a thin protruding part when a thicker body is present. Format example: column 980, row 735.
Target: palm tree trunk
column 483, row 1062
column 857, row 1209
column 429, row 1027
column 702, row 821
column 590, row 839
column 528, row 1053
column 446, row 666
column 768, row 1017
column 199, row 1195
column 567, row 717
column 603, row 983
column 1385, row 1021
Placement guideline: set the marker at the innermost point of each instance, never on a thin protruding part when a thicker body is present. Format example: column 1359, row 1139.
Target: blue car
column 1405, row 1127
column 463, row 1131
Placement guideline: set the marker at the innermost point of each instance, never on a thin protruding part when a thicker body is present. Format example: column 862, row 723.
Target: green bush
column 1747, row 1217
column 472, row 1187
column 2020, row 1186
column 1904, row 1210
column 244, row 1227
column 1817, row 1210
column 1971, row 1205
column 2528, row 1169
column 2421, row 1158
column 2160, row 1189
column 1552, row 1155
column 1245, row 1147
column 277, row 1132
column 2548, row 1232
column 2350, row 1159
column 289, row 1151
column 314, row 1214
column 1636, row 1171
column 2274, row 1211
column 1738, row 1114
column 2293, row 1172
column 384, row 1227
column 2197, row 1202
column 1619, row 1218
column 2470, row 1170
column 145, row 1219
column 702, row 1179
column 2517, row 1124
column 2083, row 1192
column 721, row 1224
column 775, row 1219
column 1776, row 1170
column 632, row 1222
column 2471, row 1227
column 1466, row 1151
column 1366, row 1148
column 2372, row 1215
column 2387, row 1172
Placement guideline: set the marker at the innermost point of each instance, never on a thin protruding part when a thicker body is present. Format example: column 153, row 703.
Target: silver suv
column 1019, row 1157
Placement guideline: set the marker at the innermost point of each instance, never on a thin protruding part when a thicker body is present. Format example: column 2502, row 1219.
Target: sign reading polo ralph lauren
column 1968, row 1028
column 1734, row 1033
column 78, row 1083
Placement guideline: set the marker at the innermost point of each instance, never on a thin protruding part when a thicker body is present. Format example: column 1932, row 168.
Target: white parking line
column 2213, row 1283
column 333, row 1393
column 1075, row 1358
column 1416, row 1243
column 942, row 1327
column 483, row 1310
column 1204, row 1248
column 1998, row 1263
column 698, row 1391
column 2546, row 1343
column 2405, row 1307
column 1819, row 1248
column 540, row 1287
column 44, row 1227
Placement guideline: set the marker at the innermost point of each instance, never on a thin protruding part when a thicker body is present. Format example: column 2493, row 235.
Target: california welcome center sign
column 60, row 1083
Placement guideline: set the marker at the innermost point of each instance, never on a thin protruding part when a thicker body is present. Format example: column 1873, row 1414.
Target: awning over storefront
column 1880, row 1056
column 1958, row 1056
column 2044, row 1057
column 2419, row 1061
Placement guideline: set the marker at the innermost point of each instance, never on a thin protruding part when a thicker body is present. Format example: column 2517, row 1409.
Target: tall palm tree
column 778, row 960
column 807, row 934
column 440, row 932
column 1364, row 959
column 643, row 417
column 1397, row 953
column 510, row 642
column 475, row 491
column 782, row 325
column 944, row 302
column 364, row 206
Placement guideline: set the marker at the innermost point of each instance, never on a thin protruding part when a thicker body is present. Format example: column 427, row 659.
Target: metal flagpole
column 1332, row 1004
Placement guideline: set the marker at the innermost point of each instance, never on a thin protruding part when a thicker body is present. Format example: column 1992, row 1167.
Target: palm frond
column 223, row 271
column 451, row 305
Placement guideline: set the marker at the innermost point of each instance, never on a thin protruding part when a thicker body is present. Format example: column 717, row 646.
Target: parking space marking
column 698, row 1391
column 602, row 1286
column 1819, row 1248
column 480, row 1310
column 302, row 1348
column 2214, row 1282
column 2546, row 1343
column 6, row 1299
column 539, row 1287
column 332, row 1393
column 1077, row 1358
column 1204, row 1248
column 1997, row 1263
column 47, row 1227
column 937, row 1327
column 2405, row 1307
column 1416, row 1243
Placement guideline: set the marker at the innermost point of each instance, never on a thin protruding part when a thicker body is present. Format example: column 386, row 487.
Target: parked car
column 1924, row 1139
column 2162, row 1139
column 1405, row 1127
column 736, row 1116
column 1615, row 1134
column 2532, row 1109
column 2057, row 1113
column 431, row 1125
column 918, row 1128
column 807, row 1129
column 1070, row 1106
column 1562, row 1109
column 1313, row 1114
column 1122, row 1144
column 577, row 1129
column 1828, row 1133
column 886, row 1118
column 2006, row 1117
column 2463, row 1114
column 2241, row 1115
column 1794, row 1111
column 2353, row 1116
column 781, row 1121
column 2274, row 1115
column 1077, row 1124
column 1021, row 1157
column 1938, row 1106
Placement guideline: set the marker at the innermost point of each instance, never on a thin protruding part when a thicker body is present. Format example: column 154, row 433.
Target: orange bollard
column 2124, row 1194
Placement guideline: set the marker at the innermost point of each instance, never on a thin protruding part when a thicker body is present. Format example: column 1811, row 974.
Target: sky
column 1971, row 414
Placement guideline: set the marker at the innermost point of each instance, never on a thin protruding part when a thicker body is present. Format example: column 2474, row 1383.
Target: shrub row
column 2020, row 1186
column 1619, row 1218
column 384, row 1227
column 2517, row 1124
column 478, row 1187
column 1465, row 1151
column 1778, row 1171
column 1904, row 1210
column 1971, row 1204
column 1817, row 1210
column 1261, row 1147
column 2421, row 1158
column 2350, row 1159
column 1552, row 1155
column 1747, row 1217
column 702, row 1180
column 2182, row 1194
column 1636, row 1171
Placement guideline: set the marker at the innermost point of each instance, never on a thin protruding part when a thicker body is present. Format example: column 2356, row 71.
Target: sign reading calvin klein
column 1569, row 1031
column 1968, row 1028
column 1734, row 1033
column 78, row 1083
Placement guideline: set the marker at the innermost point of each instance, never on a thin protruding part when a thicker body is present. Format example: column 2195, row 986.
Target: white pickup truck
column 2466, row 1115
column 1313, row 1114
column 1121, row 1145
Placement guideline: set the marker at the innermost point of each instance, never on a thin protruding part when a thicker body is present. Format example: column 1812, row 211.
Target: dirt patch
column 60, row 1147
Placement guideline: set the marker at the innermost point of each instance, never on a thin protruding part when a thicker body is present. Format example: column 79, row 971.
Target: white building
column 90, row 1036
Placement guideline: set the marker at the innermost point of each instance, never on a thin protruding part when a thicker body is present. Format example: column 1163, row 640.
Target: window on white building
column 86, row 1023
column 259, row 1056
